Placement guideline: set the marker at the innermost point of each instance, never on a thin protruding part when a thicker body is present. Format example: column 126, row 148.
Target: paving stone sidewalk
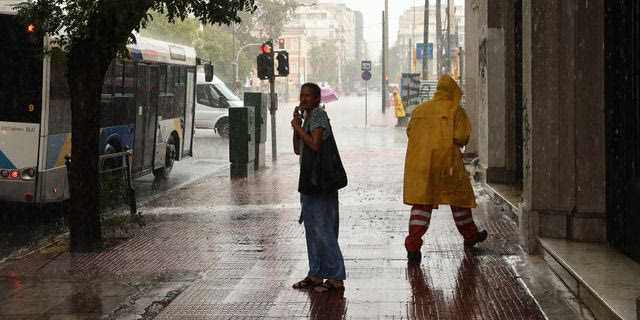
column 222, row 249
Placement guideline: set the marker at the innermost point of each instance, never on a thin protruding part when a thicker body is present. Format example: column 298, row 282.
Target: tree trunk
column 85, row 75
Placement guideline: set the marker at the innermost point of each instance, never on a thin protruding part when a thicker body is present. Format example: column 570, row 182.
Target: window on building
column 294, row 44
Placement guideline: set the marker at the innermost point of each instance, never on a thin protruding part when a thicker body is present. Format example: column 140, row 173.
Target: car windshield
column 223, row 90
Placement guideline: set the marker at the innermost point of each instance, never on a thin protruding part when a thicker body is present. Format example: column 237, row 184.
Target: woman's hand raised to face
column 297, row 120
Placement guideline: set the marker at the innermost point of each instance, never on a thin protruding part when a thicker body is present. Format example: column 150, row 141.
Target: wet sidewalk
column 221, row 249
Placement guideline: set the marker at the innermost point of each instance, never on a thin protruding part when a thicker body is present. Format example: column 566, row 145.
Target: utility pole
column 274, row 106
column 385, row 48
column 409, row 57
column 425, row 50
column 383, row 86
column 448, row 55
column 438, row 39
column 234, row 62
column 413, row 36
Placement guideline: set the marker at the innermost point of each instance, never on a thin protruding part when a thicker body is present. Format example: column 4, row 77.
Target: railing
column 115, row 168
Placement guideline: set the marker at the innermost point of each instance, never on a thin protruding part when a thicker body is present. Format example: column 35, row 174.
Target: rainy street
column 221, row 248
column 148, row 165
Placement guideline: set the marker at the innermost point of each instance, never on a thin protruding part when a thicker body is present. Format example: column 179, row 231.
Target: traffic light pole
column 265, row 64
column 274, row 106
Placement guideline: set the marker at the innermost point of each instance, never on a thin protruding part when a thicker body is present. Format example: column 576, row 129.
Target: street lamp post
column 235, row 61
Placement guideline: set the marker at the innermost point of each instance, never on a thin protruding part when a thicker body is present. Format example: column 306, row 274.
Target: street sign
column 366, row 65
column 366, row 75
column 420, row 50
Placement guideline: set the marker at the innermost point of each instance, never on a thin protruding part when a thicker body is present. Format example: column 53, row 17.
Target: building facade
column 322, row 22
column 411, row 32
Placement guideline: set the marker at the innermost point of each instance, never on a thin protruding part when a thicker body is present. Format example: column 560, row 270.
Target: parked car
column 213, row 100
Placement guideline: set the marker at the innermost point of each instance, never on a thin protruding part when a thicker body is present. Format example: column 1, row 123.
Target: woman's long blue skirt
column 321, row 223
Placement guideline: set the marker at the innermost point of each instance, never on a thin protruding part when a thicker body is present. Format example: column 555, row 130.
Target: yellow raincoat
column 434, row 170
column 399, row 107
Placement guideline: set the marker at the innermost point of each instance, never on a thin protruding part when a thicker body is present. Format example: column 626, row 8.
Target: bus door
column 146, row 117
column 189, row 113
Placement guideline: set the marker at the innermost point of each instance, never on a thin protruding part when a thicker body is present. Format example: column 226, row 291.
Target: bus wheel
column 169, row 159
column 222, row 127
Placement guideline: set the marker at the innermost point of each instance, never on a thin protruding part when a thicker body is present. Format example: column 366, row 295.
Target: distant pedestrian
column 434, row 172
column 319, row 210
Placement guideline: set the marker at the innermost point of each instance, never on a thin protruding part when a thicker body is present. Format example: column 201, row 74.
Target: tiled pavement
column 232, row 249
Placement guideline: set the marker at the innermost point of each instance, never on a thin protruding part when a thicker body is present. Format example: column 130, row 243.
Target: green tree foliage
column 216, row 42
column 92, row 32
column 353, row 75
column 271, row 16
column 322, row 59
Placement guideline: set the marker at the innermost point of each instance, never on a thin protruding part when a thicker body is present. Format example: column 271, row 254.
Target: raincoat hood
column 448, row 89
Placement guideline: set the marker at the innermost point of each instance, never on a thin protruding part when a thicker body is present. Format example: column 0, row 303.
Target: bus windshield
column 20, row 72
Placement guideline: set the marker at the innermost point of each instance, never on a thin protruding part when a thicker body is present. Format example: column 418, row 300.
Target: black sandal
column 306, row 283
column 328, row 287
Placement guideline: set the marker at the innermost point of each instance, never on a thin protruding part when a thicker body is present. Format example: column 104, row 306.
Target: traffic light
column 267, row 47
column 265, row 66
column 281, row 43
column 265, row 61
column 283, row 63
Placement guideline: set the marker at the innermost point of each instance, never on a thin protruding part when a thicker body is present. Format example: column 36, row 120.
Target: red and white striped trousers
column 421, row 218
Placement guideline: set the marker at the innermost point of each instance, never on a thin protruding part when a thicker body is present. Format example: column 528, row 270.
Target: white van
column 213, row 100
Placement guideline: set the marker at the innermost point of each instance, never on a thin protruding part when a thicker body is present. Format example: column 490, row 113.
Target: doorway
column 622, row 107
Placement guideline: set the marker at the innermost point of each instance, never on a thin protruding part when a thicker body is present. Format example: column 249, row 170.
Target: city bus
column 147, row 107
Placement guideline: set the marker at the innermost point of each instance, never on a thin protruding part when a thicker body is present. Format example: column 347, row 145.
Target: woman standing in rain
column 319, row 210
column 434, row 172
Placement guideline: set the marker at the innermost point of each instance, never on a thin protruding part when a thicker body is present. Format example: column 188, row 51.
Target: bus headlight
column 28, row 174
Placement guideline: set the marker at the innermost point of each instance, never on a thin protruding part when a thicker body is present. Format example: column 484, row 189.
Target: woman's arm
column 296, row 143
column 296, row 122
column 313, row 140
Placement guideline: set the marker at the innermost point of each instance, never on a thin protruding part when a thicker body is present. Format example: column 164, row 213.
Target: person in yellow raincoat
column 434, row 172
column 399, row 107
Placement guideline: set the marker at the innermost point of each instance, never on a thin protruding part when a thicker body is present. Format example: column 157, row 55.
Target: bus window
column 169, row 79
column 162, row 79
column 178, row 73
column 129, row 78
column 118, row 72
column 59, row 96
column 107, row 84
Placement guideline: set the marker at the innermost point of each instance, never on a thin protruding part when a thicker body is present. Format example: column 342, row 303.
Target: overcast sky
column 372, row 13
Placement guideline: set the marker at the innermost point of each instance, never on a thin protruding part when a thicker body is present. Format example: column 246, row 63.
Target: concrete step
column 607, row 281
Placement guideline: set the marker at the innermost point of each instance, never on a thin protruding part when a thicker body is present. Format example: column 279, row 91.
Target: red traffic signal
column 31, row 28
column 267, row 47
column 281, row 43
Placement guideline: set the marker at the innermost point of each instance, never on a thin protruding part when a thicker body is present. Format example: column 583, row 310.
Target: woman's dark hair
column 314, row 88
